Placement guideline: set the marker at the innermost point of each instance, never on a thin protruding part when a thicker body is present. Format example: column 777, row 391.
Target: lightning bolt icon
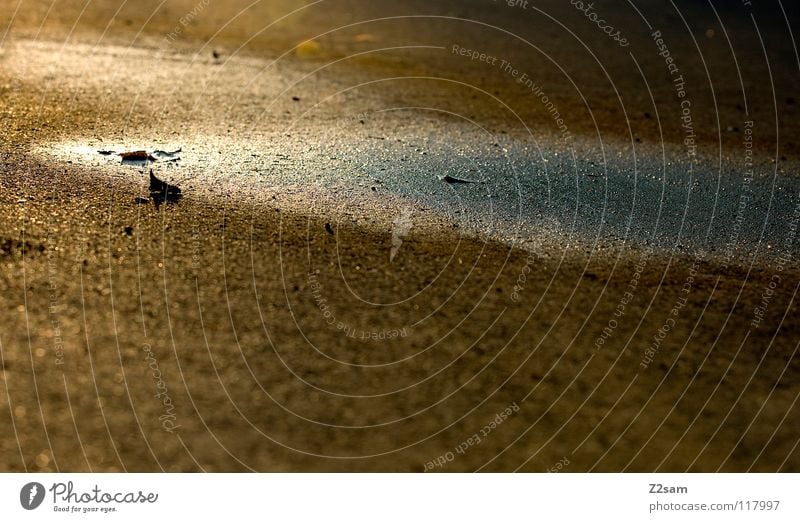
column 32, row 494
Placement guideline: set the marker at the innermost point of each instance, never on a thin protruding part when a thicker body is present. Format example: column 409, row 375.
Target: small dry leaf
column 136, row 155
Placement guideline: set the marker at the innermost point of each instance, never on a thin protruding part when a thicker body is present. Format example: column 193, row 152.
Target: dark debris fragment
column 162, row 155
column 163, row 192
column 451, row 179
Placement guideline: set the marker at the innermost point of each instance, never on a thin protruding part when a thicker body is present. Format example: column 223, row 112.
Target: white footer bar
column 400, row 497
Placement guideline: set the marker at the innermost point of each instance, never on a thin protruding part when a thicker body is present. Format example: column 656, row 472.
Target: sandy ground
column 321, row 298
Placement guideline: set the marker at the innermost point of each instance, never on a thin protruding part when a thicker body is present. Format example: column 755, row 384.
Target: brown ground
column 218, row 287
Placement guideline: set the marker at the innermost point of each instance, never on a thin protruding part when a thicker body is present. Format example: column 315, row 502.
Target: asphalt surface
column 387, row 238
